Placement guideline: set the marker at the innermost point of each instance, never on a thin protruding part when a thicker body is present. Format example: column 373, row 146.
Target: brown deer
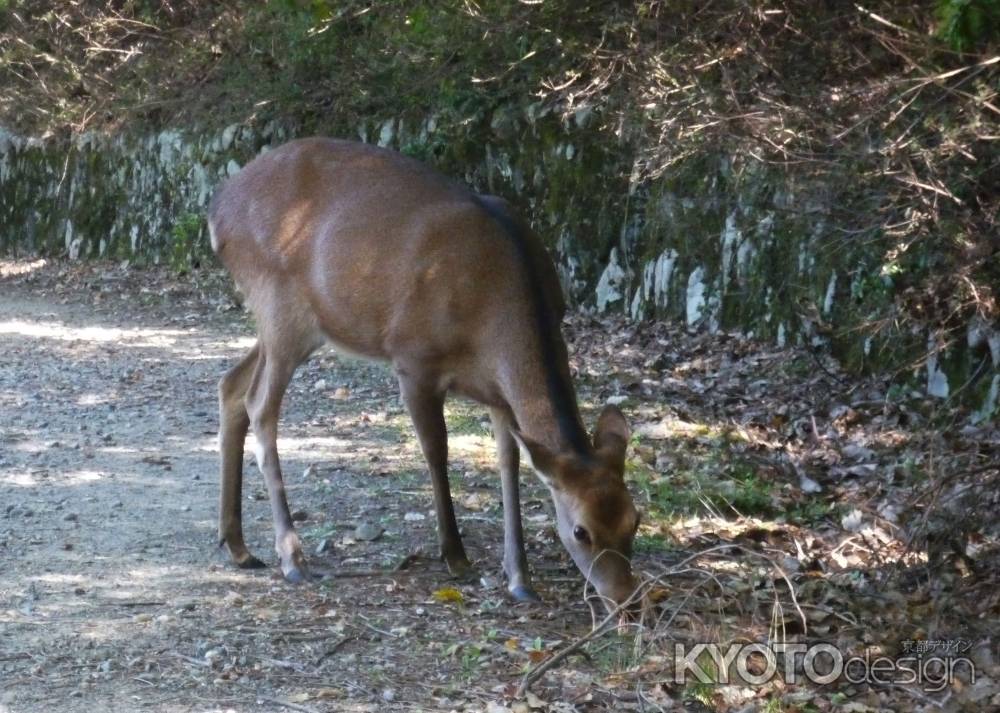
column 344, row 243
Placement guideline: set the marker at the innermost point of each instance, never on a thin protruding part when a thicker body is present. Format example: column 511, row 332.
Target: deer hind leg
column 425, row 404
column 515, row 561
column 233, row 425
column 280, row 355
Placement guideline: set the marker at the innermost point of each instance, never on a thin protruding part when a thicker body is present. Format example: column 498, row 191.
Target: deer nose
column 631, row 607
column 624, row 593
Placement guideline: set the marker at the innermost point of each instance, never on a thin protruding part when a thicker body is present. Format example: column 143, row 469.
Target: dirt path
column 114, row 596
column 781, row 472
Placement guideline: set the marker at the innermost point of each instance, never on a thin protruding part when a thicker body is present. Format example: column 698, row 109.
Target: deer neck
column 543, row 401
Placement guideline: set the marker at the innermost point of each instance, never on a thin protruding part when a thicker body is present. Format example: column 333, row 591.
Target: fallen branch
column 400, row 567
column 535, row 673
column 286, row 704
column 641, row 593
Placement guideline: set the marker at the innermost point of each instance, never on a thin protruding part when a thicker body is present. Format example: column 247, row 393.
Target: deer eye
column 581, row 534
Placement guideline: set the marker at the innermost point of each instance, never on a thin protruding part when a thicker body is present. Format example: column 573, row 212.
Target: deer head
column 596, row 518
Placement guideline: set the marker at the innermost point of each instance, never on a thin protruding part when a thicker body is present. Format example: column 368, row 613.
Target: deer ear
column 540, row 458
column 611, row 437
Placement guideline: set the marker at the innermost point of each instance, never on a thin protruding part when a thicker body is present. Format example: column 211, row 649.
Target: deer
column 345, row 244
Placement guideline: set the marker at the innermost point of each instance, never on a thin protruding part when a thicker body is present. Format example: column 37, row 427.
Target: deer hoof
column 239, row 555
column 459, row 567
column 295, row 569
column 250, row 562
column 522, row 593
column 296, row 575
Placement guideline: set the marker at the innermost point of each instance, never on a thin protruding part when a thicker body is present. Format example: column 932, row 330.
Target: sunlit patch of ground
column 13, row 268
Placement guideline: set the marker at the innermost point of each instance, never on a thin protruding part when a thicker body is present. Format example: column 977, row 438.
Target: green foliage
column 967, row 25
column 316, row 11
column 720, row 484
column 469, row 656
column 184, row 241
column 699, row 691
column 617, row 652
column 811, row 512
column 651, row 544
column 462, row 420
column 426, row 151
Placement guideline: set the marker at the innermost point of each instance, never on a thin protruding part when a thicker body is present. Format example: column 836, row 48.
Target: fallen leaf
column 448, row 595
column 851, row 521
column 536, row 656
column 534, row 701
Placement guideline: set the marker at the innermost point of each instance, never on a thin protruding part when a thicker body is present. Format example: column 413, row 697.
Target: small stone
column 325, row 545
column 71, row 517
column 195, row 477
column 368, row 532
column 341, row 394
column 186, row 508
column 142, row 618
column 320, row 385
column 534, row 701
column 658, row 363
column 79, row 591
column 310, row 471
column 414, row 516
column 855, row 451
column 388, row 695
column 233, row 599
column 488, row 582
column 300, row 516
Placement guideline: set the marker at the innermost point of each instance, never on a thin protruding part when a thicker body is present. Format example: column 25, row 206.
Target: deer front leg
column 263, row 402
column 515, row 561
column 426, row 408
column 233, row 425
